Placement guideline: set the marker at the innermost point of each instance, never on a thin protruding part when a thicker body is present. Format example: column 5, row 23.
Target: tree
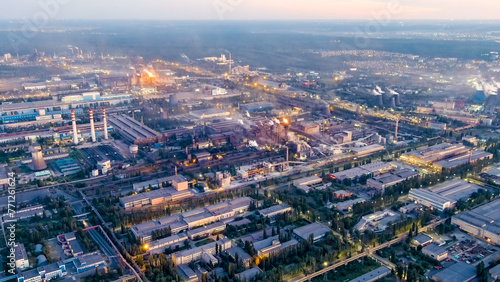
column 482, row 274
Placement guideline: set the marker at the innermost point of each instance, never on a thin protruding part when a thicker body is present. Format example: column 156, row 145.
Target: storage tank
column 134, row 149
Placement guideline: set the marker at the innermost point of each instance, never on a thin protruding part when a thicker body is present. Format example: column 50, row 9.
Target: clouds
column 256, row 9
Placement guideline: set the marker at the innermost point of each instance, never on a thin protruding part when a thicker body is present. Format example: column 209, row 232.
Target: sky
column 250, row 9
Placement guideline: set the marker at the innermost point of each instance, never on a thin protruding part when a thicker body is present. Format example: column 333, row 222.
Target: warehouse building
column 317, row 230
column 445, row 155
column 257, row 107
column 368, row 150
column 482, row 222
column 134, row 130
column 307, row 183
column 456, row 190
column 371, row 169
column 390, row 179
column 436, row 252
column 459, row 272
column 347, row 205
column 429, row 199
column 434, row 153
column 443, row 196
column 273, row 211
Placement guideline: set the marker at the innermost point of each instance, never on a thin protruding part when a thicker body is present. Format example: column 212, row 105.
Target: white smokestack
column 75, row 133
column 105, row 119
column 92, row 128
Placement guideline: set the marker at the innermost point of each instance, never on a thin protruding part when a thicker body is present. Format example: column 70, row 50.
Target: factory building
column 367, row 150
column 390, row 179
column 445, row 155
column 30, row 110
column 317, row 230
column 372, row 169
column 445, row 195
column 257, row 107
column 436, row 252
column 134, row 130
column 273, row 211
column 347, row 205
column 429, row 199
column 483, row 222
column 307, row 183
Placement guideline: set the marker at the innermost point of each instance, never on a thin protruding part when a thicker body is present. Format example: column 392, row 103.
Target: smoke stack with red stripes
column 75, row 133
column 92, row 128
column 105, row 120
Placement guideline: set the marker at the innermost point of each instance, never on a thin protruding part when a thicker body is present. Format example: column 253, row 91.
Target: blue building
column 257, row 107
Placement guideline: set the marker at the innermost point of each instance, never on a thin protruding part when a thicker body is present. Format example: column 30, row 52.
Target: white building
column 22, row 262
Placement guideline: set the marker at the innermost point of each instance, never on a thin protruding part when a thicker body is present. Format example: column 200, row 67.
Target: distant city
column 260, row 151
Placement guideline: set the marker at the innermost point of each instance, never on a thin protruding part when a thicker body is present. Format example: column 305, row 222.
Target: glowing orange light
column 150, row 74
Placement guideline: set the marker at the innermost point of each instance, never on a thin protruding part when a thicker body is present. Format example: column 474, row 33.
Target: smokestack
column 396, row 131
column 75, row 133
column 92, row 128
column 393, row 100
column 230, row 64
column 175, row 170
column 105, row 119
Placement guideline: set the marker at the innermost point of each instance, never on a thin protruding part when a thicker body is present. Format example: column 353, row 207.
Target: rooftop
column 273, row 209
column 464, row 158
column 374, row 274
column 422, row 239
column 455, row 190
column 248, row 274
column 486, row 217
column 458, row 272
column 435, row 249
column 317, row 229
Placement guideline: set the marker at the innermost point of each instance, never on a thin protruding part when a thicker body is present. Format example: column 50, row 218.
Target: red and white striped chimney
column 105, row 119
column 92, row 128
column 75, row 133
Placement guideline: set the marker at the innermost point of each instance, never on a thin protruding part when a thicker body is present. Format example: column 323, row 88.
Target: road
column 368, row 252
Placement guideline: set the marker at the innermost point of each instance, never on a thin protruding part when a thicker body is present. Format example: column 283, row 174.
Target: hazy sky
column 252, row 9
